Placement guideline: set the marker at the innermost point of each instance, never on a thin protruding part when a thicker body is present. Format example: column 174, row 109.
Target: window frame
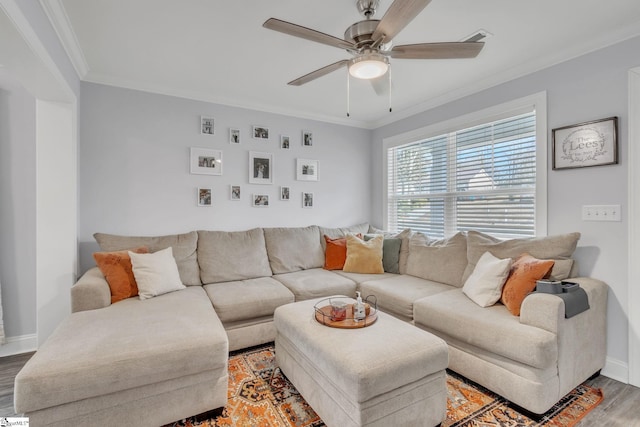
column 536, row 102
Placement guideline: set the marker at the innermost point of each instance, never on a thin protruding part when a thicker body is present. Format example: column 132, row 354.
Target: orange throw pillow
column 116, row 268
column 525, row 271
column 335, row 254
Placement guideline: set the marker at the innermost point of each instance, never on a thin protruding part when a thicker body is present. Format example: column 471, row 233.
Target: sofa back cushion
column 405, row 237
column 183, row 246
column 293, row 248
column 224, row 256
column 442, row 261
column 559, row 248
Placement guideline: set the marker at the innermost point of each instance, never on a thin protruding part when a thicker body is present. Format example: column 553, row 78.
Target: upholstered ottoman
column 389, row 373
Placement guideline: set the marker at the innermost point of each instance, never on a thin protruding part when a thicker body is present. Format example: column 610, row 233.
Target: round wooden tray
column 323, row 315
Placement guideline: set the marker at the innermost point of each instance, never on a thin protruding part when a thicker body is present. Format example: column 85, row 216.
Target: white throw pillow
column 155, row 273
column 484, row 285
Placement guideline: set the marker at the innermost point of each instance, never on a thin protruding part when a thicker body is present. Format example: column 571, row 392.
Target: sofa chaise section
column 135, row 362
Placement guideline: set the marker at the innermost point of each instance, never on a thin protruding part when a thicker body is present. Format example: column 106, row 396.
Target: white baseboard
column 616, row 370
column 19, row 345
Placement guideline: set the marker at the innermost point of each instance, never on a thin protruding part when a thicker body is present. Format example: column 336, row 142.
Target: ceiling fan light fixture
column 369, row 66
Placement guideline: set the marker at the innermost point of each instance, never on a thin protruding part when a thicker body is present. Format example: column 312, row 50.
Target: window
column 483, row 177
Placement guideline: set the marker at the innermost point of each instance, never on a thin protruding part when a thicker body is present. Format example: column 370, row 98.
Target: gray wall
column 17, row 207
column 590, row 87
column 134, row 168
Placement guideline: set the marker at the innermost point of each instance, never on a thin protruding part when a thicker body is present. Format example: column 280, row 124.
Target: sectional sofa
column 161, row 359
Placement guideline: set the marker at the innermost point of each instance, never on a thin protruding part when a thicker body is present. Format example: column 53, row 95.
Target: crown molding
column 509, row 74
column 62, row 25
column 107, row 80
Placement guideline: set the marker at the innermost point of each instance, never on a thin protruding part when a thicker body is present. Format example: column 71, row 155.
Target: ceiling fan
column 370, row 41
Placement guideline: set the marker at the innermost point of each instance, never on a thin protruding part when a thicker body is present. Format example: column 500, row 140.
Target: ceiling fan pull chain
column 389, row 77
column 348, row 93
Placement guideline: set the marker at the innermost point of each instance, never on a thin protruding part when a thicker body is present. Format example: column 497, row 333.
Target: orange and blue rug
column 259, row 395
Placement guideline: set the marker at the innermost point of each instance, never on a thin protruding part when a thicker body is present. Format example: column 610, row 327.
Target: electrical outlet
column 601, row 213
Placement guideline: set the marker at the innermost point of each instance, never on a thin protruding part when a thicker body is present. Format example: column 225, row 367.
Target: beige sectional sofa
column 159, row 360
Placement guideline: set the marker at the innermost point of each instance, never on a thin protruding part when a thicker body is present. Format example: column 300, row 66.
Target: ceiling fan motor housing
column 360, row 32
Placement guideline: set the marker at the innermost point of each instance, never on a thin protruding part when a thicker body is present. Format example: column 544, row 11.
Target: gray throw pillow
column 390, row 253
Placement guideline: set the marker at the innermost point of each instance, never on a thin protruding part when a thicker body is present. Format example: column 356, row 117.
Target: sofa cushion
column 526, row 270
column 484, row 286
column 396, row 294
column 335, row 253
column 117, row 270
column 438, row 260
column 315, row 283
column 226, row 256
column 183, row 245
column 405, row 236
column 156, row 273
column 390, row 253
column 247, row 299
column 559, row 247
column 494, row 329
column 364, row 257
column 334, row 233
column 126, row 345
column 293, row 248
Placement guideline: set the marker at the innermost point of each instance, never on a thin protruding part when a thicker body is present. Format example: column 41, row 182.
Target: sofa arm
column 582, row 339
column 90, row 292
column 546, row 311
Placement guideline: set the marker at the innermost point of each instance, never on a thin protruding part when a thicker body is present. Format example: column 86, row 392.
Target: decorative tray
column 337, row 312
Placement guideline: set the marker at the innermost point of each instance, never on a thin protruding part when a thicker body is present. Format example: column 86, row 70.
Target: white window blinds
column 480, row 178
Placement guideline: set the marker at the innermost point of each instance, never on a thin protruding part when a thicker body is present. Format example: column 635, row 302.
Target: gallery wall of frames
column 153, row 164
column 261, row 166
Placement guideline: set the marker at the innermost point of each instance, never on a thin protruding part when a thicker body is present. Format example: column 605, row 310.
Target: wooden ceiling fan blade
column 306, row 33
column 447, row 50
column 398, row 16
column 318, row 73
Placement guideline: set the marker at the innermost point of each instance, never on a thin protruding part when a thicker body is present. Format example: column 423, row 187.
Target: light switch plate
column 601, row 213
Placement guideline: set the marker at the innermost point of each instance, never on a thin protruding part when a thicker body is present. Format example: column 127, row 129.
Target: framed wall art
column 204, row 197
column 260, row 132
column 234, row 136
column 260, row 168
column 592, row 143
column 307, row 170
column 307, row 200
column 284, row 142
column 205, row 161
column 207, row 125
column 285, row 193
column 307, row 138
column 234, row 192
column 260, row 200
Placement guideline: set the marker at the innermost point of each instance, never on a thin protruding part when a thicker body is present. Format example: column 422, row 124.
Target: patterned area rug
column 261, row 396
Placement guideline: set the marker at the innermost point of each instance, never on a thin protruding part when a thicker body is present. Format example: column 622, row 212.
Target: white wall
column 590, row 87
column 56, row 223
column 17, row 213
column 135, row 179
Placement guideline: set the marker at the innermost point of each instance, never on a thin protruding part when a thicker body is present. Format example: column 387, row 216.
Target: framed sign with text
column 586, row 144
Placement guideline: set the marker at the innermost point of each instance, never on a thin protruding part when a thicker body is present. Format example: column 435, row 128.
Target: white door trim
column 633, row 285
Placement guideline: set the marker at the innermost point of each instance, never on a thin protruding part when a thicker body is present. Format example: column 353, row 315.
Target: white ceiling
column 218, row 51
